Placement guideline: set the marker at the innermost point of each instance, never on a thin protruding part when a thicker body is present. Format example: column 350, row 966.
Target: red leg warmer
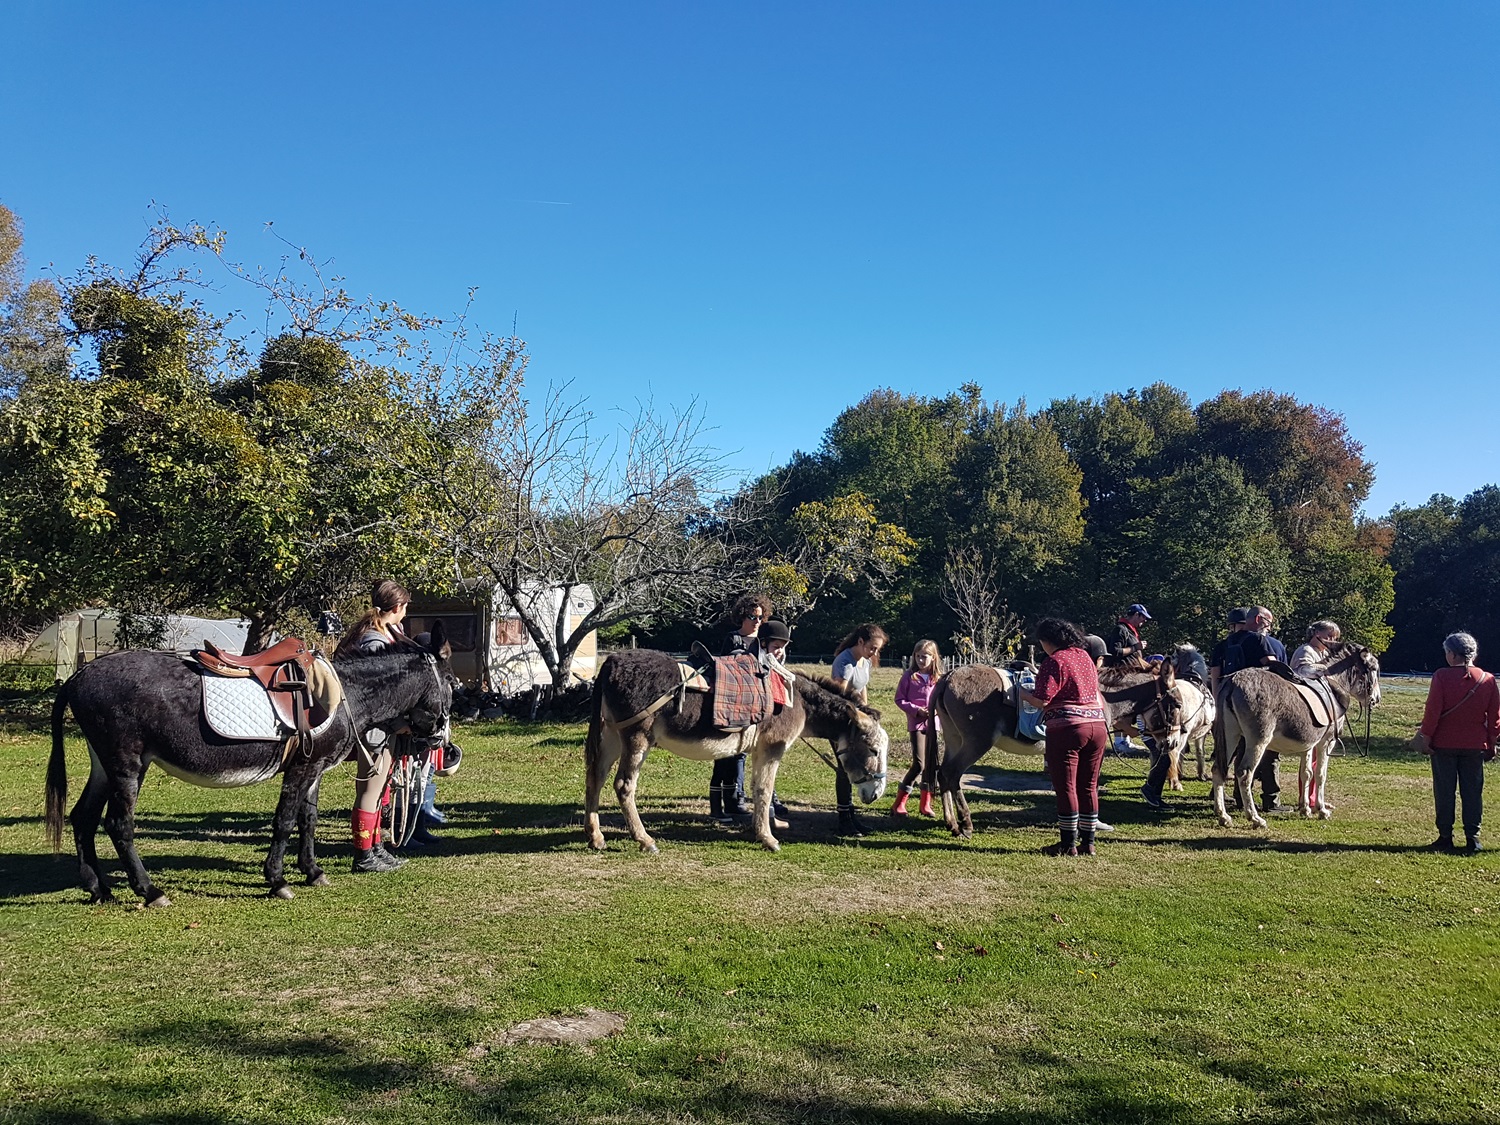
column 366, row 829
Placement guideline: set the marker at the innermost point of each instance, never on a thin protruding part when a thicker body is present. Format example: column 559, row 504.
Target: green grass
column 1319, row 971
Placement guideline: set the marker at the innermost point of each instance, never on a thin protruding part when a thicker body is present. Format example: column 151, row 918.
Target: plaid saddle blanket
column 741, row 698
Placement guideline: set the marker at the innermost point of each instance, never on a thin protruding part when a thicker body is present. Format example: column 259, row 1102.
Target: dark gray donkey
column 137, row 707
column 974, row 707
column 630, row 683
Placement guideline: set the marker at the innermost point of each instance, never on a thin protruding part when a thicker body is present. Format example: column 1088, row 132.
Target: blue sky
column 778, row 207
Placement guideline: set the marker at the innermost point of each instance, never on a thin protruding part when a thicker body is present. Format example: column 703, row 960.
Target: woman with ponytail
column 378, row 629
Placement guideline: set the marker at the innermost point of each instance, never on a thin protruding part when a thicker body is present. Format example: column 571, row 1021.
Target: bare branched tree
column 544, row 504
column 971, row 589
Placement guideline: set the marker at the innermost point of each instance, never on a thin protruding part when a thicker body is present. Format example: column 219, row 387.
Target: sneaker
column 1100, row 826
column 778, row 807
column 1123, row 745
column 391, row 861
column 1153, row 800
column 367, row 861
column 1060, row 849
column 1473, row 847
column 1441, row 844
column 1273, row 805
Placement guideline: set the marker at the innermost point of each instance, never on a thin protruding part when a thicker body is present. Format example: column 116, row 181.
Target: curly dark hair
column 747, row 604
column 1059, row 633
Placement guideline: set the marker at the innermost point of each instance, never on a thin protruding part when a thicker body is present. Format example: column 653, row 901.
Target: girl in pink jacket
column 914, row 695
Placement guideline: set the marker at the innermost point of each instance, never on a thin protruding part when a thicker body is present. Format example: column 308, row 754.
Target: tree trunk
column 258, row 634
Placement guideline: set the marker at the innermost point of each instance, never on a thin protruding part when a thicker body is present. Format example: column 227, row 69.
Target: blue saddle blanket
column 1029, row 723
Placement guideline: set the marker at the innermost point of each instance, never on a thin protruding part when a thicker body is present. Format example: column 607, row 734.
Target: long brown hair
column 867, row 632
column 386, row 597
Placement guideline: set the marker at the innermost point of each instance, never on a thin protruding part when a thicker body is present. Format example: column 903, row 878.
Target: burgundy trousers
column 1074, row 755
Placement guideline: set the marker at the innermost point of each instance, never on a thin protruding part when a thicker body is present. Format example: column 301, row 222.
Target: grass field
column 1318, row 971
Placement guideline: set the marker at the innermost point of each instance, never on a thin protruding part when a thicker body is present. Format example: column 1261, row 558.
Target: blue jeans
column 1463, row 769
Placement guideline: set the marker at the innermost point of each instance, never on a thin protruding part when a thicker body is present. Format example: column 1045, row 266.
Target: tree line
column 160, row 458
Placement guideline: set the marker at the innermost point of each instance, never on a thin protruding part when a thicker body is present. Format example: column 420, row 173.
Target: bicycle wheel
column 405, row 800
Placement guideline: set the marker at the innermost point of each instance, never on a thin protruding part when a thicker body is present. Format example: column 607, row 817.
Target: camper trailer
column 77, row 638
column 491, row 648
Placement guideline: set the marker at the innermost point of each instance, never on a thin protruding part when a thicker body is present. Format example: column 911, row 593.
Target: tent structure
column 79, row 637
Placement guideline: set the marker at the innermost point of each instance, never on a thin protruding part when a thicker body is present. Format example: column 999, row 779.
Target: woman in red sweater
column 1067, row 691
column 1462, row 722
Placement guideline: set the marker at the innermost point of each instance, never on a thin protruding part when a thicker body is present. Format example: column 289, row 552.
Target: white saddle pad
column 241, row 709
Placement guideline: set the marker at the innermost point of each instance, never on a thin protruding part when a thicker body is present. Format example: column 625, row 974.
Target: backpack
column 1234, row 657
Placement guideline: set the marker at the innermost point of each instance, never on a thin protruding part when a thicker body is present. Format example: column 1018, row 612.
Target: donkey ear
column 438, row 644
column 1168, row 673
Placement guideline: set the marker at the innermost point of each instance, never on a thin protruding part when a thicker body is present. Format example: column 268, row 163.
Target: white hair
column 1462, row 645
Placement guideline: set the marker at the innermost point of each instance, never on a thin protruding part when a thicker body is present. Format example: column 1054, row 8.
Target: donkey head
column 1164, row 717
column 1358, row 669
column 864, row 752
column 428, row 716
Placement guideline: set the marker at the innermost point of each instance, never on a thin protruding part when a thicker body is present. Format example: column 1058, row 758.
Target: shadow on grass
column 310, row 1077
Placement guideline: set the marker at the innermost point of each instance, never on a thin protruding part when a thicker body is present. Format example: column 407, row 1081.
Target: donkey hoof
column 771, row 845
column 158, row 899
column 1226, row 822
column 319, row 880
column 649, row 848
column 1325, row 814
column 1257, row 822
column 283, row 892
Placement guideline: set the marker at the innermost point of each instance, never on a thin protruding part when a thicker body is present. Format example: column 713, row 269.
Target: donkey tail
column 1221, row 740
column 57, row 769
column 596, row 721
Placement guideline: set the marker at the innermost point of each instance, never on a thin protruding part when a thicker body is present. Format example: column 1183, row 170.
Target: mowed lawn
column 1316, row 971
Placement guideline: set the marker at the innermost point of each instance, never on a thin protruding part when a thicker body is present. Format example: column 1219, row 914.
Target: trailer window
column 510, row 631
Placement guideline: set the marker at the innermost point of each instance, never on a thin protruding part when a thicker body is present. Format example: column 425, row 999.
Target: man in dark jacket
column 1127, row 633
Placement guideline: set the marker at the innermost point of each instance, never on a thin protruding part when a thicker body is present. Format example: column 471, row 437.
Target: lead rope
column 829, row 762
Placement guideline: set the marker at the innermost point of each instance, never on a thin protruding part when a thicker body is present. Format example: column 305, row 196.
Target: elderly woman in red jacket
column 1462, row 723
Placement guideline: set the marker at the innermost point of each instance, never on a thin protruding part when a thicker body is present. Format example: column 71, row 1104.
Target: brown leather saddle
column 283, row 671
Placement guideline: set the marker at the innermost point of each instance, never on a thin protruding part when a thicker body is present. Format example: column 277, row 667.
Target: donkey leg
column 85, row 819
column 1201, row 743
column 1245, row 778
column 1320, row 771
column 281, row 832
column 625, row 783
column 1304, row 780
column 307, row 829
column 764, row 762
column 119, row 822
column 950, row 781
column 597, row 766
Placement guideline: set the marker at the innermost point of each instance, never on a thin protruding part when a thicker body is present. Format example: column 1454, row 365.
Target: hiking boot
column 849, row 824
column 1441, row 844
column 1153, row 800
column 392, row 861
column 734, row 804
column 367, row 861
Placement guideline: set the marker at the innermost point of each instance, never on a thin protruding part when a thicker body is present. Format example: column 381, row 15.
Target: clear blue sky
column 779, row 206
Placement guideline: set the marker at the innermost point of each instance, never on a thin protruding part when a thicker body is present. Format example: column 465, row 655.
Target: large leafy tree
column 1207, row 541
column 166, row 473
column 1446, row 556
